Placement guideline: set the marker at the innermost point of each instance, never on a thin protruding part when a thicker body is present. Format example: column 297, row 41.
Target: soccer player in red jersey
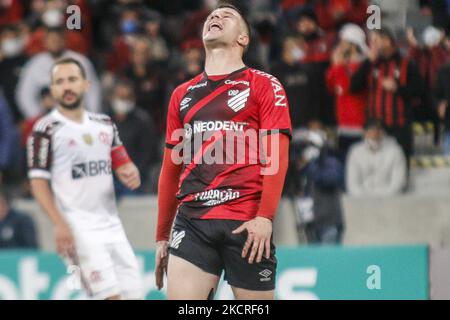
column 224, row 209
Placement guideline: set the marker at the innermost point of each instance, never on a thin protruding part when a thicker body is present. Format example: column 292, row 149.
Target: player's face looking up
column 68, row 85
column 225, row 27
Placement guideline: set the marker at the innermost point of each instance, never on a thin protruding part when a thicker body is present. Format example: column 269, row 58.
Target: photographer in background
column 319, row 180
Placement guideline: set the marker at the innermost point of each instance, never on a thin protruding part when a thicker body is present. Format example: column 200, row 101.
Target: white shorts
column 107, row 267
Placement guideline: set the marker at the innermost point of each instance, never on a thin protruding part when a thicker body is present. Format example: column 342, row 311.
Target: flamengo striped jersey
column 210, row 110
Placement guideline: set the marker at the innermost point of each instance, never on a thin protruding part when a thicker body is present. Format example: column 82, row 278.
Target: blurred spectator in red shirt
column 11, row 11
column 193, row 25
column 53, row 16
column 393, row 82
column 130, row 27
column 350, row 107
column 47, row 103
column 300, row 82
column 317, row 47
column 430, row 57
column 148, row 80
column 332, row 14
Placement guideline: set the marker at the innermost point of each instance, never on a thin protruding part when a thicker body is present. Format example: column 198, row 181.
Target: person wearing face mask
column 317, row 49
column 317, row 176
column 12, row 58
column 377, row 165
column 34, row 76
column 300, row 82
column 131, row 123
column 53, row 16
column 128, row 30
column 350, row 112
column 431, row 54
column 394, row 86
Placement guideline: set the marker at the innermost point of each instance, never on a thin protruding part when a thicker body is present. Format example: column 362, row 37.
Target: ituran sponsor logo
column 238, row 101
column 237, row 82
column 204, row 126
column 280, row 95
column 214, row 197
column 203, row 84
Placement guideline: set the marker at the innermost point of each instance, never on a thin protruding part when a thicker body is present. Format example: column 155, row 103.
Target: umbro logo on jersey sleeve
column 184, row 103
column 238, row 101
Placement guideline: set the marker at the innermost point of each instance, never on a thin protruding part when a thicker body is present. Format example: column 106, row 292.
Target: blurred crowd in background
column 354, row 93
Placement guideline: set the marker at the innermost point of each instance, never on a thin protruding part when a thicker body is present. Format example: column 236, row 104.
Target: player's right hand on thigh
column 65, row 244
column 162, row 258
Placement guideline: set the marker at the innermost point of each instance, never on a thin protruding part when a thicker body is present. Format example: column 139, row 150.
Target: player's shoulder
column 262, row 78
column 101, row 118
column 47, row 124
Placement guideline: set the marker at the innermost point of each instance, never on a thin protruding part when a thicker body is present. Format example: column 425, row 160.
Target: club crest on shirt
column 87, row 138
column 237, row 102
column 104, row 138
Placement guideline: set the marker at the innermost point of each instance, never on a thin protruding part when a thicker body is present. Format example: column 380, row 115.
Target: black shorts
column 210, row 245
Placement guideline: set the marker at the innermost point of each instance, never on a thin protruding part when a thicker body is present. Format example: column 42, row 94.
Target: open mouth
column 215, row 26
column 69, row 96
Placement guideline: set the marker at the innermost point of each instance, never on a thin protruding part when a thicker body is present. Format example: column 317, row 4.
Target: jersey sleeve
column 39, row 155
column 116, row 141
column 174, row 129
column 273, row 105
column 119, row 155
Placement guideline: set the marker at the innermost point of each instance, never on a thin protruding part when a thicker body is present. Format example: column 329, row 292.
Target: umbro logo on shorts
column 176, row 239
column 238, row 101
column 265, row 274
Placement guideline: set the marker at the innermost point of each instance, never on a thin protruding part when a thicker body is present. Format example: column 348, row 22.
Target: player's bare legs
column 243, row 294
column 186, row 281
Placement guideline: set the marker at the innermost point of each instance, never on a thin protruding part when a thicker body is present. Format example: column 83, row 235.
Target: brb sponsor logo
column 91, row 169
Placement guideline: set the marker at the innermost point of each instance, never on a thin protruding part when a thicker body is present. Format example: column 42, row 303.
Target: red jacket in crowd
column 350, row 107
column 334, row 13
column 319, row 50
column 429, row 61
column 10, row 12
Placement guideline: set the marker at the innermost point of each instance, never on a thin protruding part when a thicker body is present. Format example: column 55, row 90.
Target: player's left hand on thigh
column 128, row 174
column 259, row 233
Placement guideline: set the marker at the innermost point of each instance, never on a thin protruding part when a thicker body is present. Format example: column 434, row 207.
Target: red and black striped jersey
column 215, row 123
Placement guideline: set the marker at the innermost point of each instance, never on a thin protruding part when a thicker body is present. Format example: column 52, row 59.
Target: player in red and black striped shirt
column 223, row 171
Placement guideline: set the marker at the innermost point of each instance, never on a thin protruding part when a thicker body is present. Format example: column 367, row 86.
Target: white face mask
column 120, row 106
column 12, row 47
column 53, row 18
column 373, row 144
column 297, row 53
column 432, row 36
column 310, row 153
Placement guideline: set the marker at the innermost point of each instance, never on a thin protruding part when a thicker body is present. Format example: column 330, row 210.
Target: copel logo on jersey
column 91, row 169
